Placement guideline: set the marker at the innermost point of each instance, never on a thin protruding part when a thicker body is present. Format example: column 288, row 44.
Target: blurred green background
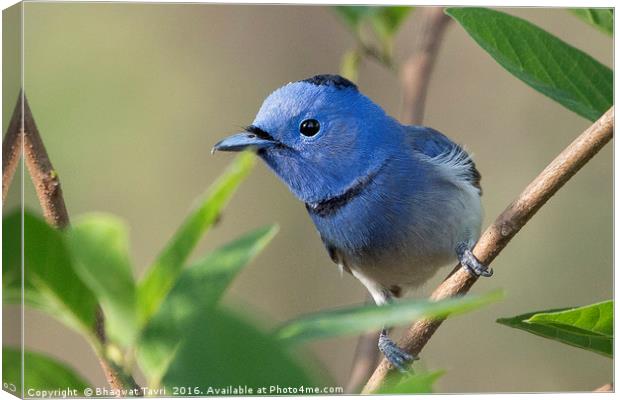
column 130, row 98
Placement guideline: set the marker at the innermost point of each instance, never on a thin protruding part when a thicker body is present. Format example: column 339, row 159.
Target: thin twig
column 415, row 76
column 47, row 186
column 11, row 149
column 416, row 71
column 44, row 177
column 497, row 236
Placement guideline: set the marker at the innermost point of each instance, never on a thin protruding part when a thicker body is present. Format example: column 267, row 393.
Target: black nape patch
column 331, row 80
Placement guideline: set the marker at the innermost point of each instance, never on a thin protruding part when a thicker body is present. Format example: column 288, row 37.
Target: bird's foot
column 471, row 263
column 398, row 357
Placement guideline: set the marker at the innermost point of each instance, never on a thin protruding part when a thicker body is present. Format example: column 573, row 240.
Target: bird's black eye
column 309, row 127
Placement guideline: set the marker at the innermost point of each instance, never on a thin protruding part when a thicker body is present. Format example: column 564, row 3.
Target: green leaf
column 218, row 350
column 387, row 20
column 588, row 327
column 601, row 18
column 359, row 319
column 549, row 65
column 354, row 15
column 420, row 382
column 163, row 273
column 198, row 289
column 32, row 298
column 50, row 280
column 11, row 250
column 597, row 318
column 99, row 246
column 40, row 373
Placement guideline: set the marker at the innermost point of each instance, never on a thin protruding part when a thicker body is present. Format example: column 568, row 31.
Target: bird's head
column 319, row 135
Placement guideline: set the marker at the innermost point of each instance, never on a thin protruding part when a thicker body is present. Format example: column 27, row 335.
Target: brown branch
column 416, row 72
column 119, row 380
column 44, row 177
column 11, row 149
column 49, row 192
column 497, row 236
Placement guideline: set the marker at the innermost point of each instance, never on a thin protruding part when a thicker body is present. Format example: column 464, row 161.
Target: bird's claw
column 398, row 357
column 471, row 263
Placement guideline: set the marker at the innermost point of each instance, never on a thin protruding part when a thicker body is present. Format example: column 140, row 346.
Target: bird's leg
column 470, row 262
column 398, row 357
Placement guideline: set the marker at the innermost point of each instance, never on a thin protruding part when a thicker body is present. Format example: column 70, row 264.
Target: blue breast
column 376, row 214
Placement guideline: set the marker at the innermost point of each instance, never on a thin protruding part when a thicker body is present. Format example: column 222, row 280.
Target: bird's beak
column 242, row 141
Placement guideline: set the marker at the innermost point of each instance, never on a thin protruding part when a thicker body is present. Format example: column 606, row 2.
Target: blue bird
column 392, row 203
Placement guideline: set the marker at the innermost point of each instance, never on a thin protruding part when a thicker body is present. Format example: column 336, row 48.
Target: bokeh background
column 130, row 98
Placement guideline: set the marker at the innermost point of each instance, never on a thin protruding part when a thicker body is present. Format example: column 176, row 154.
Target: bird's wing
column 441, row 149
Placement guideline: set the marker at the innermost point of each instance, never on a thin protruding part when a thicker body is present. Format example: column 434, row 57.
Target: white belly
column 430, row 244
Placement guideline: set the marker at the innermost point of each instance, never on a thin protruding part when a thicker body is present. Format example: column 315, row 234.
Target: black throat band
column 329, row 206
